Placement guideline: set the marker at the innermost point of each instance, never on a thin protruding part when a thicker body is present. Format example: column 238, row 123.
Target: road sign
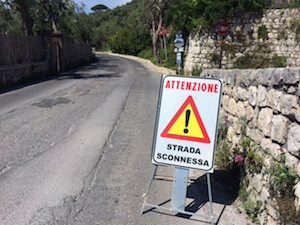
column 178, row 58
column 181, row 49
column 223, row 28
column 186, row 125
column 189, row 116
column 179, row 41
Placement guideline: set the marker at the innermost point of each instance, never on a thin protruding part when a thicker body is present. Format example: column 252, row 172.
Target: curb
column 146, row 62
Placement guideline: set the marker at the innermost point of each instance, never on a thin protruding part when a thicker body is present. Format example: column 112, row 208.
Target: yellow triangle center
column 187, row 125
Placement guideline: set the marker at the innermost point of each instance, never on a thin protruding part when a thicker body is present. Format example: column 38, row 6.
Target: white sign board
column 186, row 123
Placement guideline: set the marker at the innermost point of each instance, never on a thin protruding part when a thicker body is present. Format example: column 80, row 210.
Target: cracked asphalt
column 75, row 150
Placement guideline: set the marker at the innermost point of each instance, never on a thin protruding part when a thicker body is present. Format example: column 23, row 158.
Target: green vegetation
column 197, row 70
column 282, row 181
column 262, row 33
column 252, row 209
column 283, row 178
column 134, row 28
column 295, row 26
column 278, row 61
column 215, row 58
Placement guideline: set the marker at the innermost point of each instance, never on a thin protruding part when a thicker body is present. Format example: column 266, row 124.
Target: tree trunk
column 156, row 26
column 27, row 21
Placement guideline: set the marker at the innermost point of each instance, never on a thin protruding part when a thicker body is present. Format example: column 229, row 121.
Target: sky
column 109, row 3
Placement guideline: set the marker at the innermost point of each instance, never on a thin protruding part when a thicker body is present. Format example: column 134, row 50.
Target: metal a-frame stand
column 179, row 190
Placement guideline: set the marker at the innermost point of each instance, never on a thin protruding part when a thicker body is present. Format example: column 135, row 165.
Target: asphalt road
column 75, row 150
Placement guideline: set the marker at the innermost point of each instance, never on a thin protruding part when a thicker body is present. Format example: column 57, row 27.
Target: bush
column 252, row 209
column 224, row 156
column 262, row 33
column 278, row 61
column 283, row 179
column 126, row 41
column 197, row 70
column 254, row 162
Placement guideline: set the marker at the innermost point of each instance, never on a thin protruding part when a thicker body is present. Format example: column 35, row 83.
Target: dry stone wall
column 275, row 33
column 266, row 104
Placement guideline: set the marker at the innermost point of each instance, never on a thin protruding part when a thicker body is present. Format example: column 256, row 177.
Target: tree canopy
column 129, row 28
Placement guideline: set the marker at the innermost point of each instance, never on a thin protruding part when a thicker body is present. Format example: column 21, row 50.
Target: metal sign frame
column 158, row 114
column 179, row 189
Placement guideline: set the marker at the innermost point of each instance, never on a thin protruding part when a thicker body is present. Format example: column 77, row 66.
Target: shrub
column 224, row 156
column 282, row 181
column 215, row 58
column 278, row 61
column 251, row 61
column 252, row 209
column 283, row 178
column 295, row 26
column 262, row 33
column 197, row 70
column 254, row 162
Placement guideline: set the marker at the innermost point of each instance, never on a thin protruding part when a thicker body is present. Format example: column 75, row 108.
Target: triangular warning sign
column 187, row 124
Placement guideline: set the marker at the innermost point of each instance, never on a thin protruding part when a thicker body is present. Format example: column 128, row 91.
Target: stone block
column 272, row 212
column 250, row 114
column 237, row 125
column 261, row 96
column 264, row 122
column 288, row 103
column 273, row 99
column 256, row 182
column 262, row 217
column 232, row 108
column 271, row 221
column 291, row 90
column 264, row 194
column 296, row 112
column 230, row 134
column 241, row 110
column 298, row 91
column 225, row 101
column 297, row 195
column 279, row 128
column 252, row 95
column 274, row 149
column 293, row 140
column 254, row 134
column 292, row 162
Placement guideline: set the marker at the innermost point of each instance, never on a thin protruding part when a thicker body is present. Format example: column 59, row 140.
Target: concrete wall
column 26, row 58
column 267, row 103
column 282, row 27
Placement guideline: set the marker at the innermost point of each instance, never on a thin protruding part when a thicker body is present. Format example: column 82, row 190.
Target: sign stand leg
column 145, row 195
column 210, row 199
column 179, row 189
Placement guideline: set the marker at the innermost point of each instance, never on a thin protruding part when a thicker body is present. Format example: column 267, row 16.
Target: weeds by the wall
column 197, row 70
column 262, row 33
column 252, row 209
column 282, row 181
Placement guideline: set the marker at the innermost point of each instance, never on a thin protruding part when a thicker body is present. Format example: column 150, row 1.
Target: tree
column 99, row 8
column 10, row 22
column 157, row 10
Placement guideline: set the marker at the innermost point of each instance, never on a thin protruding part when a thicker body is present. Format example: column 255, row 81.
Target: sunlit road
column 75, row 149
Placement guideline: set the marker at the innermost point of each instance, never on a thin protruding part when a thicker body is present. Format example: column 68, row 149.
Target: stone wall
column 26, row 58
column 267, row 103
column 275, row 33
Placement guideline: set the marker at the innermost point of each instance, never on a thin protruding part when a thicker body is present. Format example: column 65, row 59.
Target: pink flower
column 239, row 160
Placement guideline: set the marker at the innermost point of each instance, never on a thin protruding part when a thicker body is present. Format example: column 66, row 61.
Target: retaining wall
column 267, row 103
column 274, row 33
column 25, row 58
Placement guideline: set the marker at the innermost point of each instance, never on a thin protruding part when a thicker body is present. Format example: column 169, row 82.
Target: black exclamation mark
column 187, row 119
